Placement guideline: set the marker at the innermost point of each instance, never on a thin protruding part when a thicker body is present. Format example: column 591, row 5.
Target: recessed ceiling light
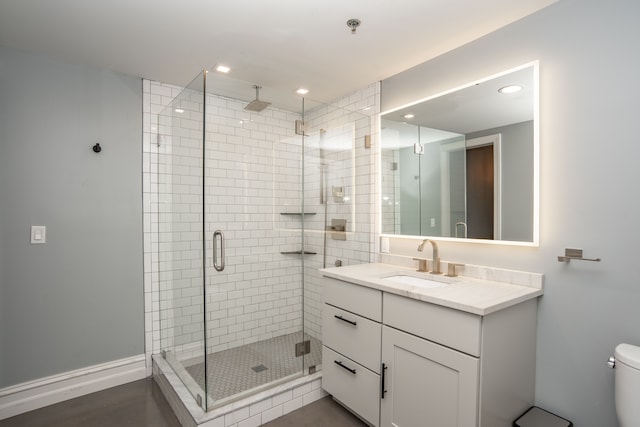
column 408, row 116
column 510, row 89
column 302, row 91
column 223, row 69
column 179, row 110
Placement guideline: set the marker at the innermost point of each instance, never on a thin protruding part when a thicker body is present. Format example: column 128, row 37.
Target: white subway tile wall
column 253, row 171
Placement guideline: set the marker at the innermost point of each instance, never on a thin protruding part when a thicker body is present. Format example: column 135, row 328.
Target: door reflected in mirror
column 464, row 164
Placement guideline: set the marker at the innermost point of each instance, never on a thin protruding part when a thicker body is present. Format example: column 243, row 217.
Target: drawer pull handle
column 382, row 389
column 351, row 322
column 337, row 362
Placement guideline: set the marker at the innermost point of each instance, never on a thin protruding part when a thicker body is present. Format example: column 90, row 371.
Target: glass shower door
column 253, row 307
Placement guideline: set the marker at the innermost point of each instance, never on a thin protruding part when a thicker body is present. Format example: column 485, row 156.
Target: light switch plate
column 384, row 245
column 38, row 234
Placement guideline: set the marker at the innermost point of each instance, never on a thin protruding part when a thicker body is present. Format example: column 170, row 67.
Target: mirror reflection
column 461, row 165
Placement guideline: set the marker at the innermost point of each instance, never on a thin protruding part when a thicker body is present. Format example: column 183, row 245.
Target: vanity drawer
column 452, row 328
column 352, row 384
column 352, row 335
column 357, row 299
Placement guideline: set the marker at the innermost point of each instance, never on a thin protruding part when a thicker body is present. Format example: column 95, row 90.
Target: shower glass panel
column 338, row 172
column 283, row 192
column 180, row 243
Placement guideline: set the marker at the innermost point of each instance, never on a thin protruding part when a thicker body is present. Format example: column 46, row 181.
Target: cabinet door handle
column 337, row 362
column 351, row 322
column 382, row 388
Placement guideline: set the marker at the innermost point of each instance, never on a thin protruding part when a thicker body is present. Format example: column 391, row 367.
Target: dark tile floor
column 321, row 413
column 141, row 404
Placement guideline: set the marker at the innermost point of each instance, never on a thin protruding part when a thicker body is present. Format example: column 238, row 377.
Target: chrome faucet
column 436, row 257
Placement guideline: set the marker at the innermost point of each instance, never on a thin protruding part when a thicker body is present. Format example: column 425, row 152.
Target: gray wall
column 77, row 300
column 589, row 67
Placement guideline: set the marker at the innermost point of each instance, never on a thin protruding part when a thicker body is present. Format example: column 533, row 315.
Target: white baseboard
column 42, row 392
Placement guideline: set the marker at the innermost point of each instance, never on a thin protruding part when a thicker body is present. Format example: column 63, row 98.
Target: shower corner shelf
column 297, row 213
column 300, row 252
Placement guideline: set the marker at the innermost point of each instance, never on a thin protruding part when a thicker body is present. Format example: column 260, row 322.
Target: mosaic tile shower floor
column 243, row 368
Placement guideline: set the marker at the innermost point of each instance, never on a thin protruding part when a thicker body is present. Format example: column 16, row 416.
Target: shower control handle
column 216, row 265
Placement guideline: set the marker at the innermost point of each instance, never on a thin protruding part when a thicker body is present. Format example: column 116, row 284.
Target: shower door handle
column 216, row 265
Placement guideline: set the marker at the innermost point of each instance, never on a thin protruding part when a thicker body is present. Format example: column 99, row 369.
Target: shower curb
column 257, row 409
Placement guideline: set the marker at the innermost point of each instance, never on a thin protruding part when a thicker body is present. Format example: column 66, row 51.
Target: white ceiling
column 279, row 44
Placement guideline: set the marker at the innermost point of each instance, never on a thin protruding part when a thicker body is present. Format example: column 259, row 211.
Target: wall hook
column 97, row 148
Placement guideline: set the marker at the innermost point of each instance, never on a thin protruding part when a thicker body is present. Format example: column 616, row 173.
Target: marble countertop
column 477, row 295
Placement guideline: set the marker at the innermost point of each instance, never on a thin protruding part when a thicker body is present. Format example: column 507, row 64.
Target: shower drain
column 259, row 368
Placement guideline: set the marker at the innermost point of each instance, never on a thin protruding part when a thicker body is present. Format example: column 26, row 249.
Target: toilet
column 626, row 362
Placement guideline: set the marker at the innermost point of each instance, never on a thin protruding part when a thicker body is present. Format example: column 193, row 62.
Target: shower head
column 256, row 104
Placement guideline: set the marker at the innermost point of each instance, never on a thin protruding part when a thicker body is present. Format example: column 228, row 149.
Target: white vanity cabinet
column 437, row 366
column 427, row 381
column 430, row 354
column 351, row 341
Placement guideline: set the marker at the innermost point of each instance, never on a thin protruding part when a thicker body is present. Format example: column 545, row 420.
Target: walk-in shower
column 240, row 229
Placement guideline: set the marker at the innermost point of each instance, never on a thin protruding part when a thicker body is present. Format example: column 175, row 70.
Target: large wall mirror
column 464, row 164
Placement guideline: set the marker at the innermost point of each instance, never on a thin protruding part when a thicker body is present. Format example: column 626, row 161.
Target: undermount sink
column 422, row 282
